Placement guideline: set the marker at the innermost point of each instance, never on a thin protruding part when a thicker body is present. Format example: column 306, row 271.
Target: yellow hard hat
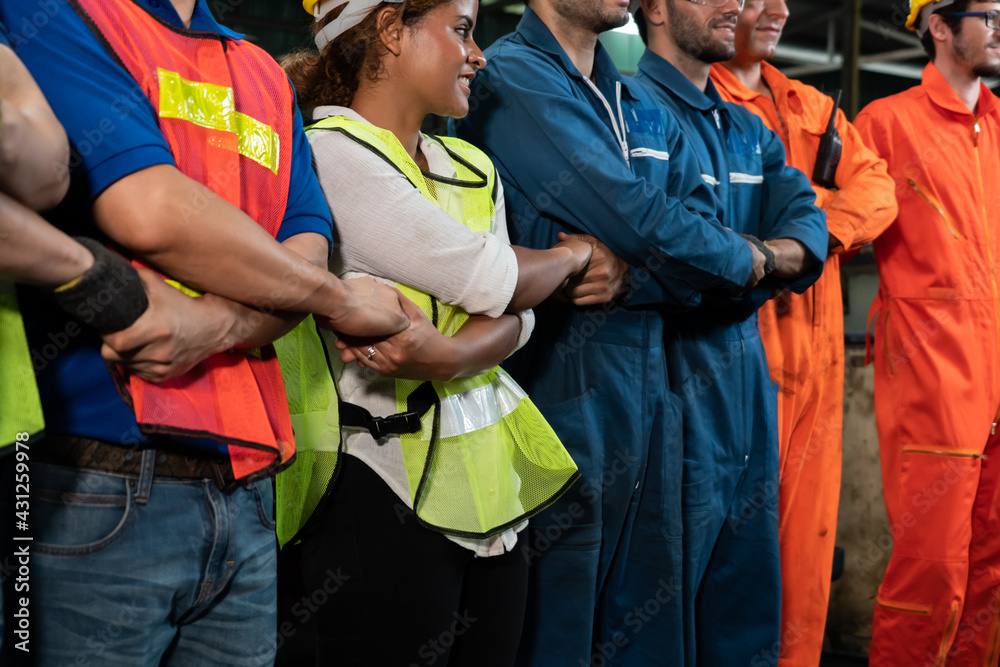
column 914, row 20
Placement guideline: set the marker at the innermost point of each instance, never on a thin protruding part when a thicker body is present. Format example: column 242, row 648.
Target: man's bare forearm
column 254, row 327
column 34, row 150
column 163, row 216
column 33, row 251
column 791, row 259
column 250, row 327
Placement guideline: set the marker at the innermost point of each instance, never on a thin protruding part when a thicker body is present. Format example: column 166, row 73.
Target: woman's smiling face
column 442, row 58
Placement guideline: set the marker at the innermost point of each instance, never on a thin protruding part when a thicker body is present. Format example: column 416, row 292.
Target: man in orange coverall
column 937, row 346
column 804, row 334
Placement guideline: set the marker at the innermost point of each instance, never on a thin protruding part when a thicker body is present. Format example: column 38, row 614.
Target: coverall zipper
column 991, row 656
column 916, row 188
column 924, row 610
column 946, row 638
column 746, row 396
column 989, row 250
column 961, row 453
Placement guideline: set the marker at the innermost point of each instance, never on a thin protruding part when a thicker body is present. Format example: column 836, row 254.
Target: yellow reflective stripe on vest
column 258, row 141
column 481, row 407
column 214, row 107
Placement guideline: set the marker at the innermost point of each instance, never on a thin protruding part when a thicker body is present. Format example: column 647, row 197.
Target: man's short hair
column 953, row 22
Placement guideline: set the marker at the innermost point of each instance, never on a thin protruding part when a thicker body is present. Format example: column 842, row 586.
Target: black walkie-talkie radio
column 830, row 148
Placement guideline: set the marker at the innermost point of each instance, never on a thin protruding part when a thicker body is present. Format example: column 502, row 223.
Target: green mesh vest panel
column 20, row 407
column 485, row 459
column 312, row 402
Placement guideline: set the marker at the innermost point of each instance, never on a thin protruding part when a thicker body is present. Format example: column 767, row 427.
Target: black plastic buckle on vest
column 379, row 427
column 418, row 403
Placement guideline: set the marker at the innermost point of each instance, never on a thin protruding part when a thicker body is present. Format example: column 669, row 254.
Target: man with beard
column 804, row 334
column 730, row 425
column 937, row 346
column 566, row 133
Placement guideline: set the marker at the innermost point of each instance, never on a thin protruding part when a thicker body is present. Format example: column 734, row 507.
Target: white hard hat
column 353, row 14
column 920, row 12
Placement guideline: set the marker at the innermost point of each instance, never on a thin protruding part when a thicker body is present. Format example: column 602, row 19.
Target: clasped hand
column 416, row 353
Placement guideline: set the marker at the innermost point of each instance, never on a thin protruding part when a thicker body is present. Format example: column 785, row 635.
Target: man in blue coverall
column 716, row 359
column 566, row 133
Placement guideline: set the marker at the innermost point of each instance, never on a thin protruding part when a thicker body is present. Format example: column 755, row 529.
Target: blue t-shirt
column 113, row 132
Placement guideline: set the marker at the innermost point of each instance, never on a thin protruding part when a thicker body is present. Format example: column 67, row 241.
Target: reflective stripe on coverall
column 716, row 362
column 804, row 338
column 937, row 388
column 605, row 560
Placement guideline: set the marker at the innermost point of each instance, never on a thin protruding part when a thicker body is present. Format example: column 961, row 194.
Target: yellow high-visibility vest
column 20, row 407
column 483, row 458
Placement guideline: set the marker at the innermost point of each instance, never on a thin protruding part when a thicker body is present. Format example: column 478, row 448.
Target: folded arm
column 864, row 204
column 33, row 251
column 152, row 212
column 33, row 147
column 599, row 195
column 421, row 352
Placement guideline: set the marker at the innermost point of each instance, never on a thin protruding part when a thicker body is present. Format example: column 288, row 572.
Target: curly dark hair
column 333, row 76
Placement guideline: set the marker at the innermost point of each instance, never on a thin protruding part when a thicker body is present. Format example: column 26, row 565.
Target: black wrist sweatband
column 769, row 262
column 109, row 297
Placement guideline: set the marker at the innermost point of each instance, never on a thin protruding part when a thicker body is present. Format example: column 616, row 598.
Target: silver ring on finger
column 371, row 352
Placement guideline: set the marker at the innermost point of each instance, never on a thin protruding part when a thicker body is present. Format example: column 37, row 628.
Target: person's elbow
column 146, row 212
column 37, row 176
column 46, row 195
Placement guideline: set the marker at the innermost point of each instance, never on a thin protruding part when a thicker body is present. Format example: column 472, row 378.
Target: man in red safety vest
column 155, row 510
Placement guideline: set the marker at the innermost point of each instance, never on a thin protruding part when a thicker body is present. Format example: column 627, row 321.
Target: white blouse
column 388, row 228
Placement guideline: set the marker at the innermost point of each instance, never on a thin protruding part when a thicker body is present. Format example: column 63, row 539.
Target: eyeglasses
column 717, row 3
column 992, row 17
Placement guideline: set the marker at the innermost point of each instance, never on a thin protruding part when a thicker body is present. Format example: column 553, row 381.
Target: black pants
column 404, row 595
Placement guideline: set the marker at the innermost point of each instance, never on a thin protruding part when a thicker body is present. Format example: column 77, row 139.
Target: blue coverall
column 717, row 364
column 605, row 584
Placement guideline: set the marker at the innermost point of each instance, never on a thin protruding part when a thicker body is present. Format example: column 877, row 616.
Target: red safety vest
column 227, row 111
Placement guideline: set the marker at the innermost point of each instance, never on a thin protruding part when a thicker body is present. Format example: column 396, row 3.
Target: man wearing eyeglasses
column 937, row 346
column 730, row 426
column 804, row 333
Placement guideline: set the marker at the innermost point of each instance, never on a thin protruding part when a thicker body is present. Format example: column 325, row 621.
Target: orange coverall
column 937, row 376
column 804, row 338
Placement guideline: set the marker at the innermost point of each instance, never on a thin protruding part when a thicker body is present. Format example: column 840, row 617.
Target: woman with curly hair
column 441, row 459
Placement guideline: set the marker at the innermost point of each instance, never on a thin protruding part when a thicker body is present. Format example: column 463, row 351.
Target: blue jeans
column 134, row 570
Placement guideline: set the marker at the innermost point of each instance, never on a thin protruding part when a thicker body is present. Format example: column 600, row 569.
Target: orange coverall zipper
column 989, row 250
column 916, row 188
